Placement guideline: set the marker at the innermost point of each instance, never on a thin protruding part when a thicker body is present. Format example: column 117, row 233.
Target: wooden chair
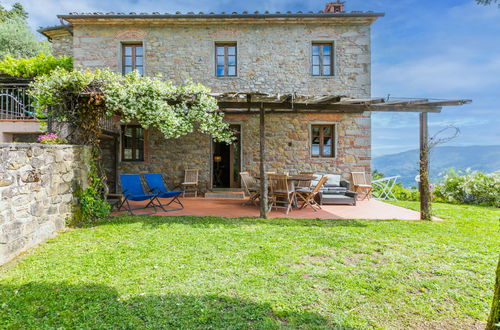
column 282, row 195
column 308, row 196
column 361, row 186
column 251, row 187
column 304, row 183
column 190, row 183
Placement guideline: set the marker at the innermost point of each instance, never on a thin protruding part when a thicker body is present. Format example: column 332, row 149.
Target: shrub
column 91, row 207
column 469, row 187
column 50, row 138
column 34, row 66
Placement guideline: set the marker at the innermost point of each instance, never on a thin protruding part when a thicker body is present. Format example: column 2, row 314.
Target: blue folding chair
column 158, row 187
column 132, row 191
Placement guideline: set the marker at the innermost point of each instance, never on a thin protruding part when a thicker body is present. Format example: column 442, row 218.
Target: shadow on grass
column 60, row 305
column 194, row 221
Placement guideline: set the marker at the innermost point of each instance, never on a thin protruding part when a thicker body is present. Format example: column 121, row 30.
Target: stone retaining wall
column 36, row 192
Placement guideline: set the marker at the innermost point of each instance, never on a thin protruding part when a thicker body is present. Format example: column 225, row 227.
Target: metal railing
column 16, row 103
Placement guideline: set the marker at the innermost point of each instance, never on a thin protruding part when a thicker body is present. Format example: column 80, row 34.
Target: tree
column 17, row 11
column 16, row 37
column 494, row 319
column 488, row 2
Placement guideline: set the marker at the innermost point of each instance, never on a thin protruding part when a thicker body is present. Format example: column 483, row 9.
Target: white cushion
column 333, row 179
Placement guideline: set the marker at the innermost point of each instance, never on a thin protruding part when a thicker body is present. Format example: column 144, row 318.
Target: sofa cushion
column 334, row 190
column 332, row 180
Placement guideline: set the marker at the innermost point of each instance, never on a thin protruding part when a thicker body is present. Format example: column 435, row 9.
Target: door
column 227, row 161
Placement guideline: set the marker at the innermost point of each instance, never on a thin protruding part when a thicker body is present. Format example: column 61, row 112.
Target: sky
column 447, row 49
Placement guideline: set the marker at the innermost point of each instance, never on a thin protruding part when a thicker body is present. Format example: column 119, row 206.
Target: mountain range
column 480, row 158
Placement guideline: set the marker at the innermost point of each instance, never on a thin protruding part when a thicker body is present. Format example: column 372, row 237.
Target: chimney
column 334, row 7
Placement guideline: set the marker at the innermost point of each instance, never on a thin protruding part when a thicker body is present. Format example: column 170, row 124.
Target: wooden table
column 295, row 177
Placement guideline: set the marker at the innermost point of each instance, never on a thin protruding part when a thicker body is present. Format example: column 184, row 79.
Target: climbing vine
column 78, row 101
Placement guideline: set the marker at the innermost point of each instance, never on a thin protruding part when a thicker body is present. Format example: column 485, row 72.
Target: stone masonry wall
column 274, row 58
column 36, row 192
column 288, row 143
column 170, row 157
column 62, row 45
column 287, row 146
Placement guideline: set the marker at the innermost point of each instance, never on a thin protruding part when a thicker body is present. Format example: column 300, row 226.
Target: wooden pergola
column 263, row 103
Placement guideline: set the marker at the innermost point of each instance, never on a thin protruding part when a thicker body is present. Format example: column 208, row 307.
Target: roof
column 353, row 17
column 56, row 30
column 244, row 14
column 250, row 102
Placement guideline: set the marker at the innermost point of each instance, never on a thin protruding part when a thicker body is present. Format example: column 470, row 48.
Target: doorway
column 226, row 160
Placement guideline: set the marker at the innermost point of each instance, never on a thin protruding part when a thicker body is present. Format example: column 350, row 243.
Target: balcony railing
column 16, row 103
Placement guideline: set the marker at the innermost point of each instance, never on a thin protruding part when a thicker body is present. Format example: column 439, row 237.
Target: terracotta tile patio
column 370, row 210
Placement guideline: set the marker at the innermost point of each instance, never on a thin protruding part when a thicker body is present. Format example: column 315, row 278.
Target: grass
column 187, row 272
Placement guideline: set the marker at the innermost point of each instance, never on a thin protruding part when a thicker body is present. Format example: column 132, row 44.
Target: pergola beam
column 288, row 107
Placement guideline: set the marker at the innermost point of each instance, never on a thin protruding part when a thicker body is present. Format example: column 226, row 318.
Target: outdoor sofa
column 334, row 191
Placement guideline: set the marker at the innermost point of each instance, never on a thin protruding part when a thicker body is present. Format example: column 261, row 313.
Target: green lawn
column 186, row 272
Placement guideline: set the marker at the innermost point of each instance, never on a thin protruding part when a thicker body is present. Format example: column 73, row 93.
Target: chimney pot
column 334, row 7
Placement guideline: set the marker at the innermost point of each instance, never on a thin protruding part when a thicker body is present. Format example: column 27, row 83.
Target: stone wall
column 62, row 45
column 274, row 57
column 171, row 157
column 287, row 146
column 36, row 192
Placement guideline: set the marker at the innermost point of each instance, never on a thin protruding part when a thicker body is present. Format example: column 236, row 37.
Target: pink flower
column 431, row 186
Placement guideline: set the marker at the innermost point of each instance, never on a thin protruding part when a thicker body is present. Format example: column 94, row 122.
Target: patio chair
column 361, row 186
column 304, row 183
column 251, row 187
column 282, row 194
column 157, row 186
column 308, row 195
column 132, row 191
column 190, row 183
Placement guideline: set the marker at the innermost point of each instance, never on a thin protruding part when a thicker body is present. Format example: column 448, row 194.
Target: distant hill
column 405, row 164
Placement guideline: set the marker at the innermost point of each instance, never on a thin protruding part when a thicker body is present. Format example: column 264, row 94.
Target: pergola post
column 262, row 152
column 425, row 208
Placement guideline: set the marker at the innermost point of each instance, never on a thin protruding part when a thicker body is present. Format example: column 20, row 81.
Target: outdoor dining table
column 294, row 178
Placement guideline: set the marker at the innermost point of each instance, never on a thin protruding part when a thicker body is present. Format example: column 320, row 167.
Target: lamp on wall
column 217, row 171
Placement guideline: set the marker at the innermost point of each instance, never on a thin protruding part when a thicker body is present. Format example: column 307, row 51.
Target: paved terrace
column 369, row 210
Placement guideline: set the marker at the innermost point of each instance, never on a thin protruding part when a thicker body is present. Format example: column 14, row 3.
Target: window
column 322, row 59
column 225, row 59
column 323, row 140
column 132, row 58
column 132, row 143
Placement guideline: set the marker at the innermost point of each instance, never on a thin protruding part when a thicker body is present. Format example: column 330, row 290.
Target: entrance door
column 227, row 161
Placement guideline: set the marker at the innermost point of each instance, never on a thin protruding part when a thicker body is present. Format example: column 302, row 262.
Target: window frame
column 133, row 56
column 226, row 60
column 321, row 44
column 134, row 143
column 333, row 136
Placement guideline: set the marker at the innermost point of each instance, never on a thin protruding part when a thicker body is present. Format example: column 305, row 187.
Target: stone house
column 304, row 53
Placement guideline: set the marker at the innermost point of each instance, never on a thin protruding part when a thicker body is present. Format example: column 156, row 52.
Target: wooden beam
column 327, row 99
column 288, row 105
column 448, row 103
column 361, row 101
column 425, row 207
column 407, row 102
column 398, row 108
column 314, row 107
column 262, row 165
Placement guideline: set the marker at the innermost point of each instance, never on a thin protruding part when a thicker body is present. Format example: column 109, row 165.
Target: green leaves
column 18, row 40
column 151, row 102
column 41, row 64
